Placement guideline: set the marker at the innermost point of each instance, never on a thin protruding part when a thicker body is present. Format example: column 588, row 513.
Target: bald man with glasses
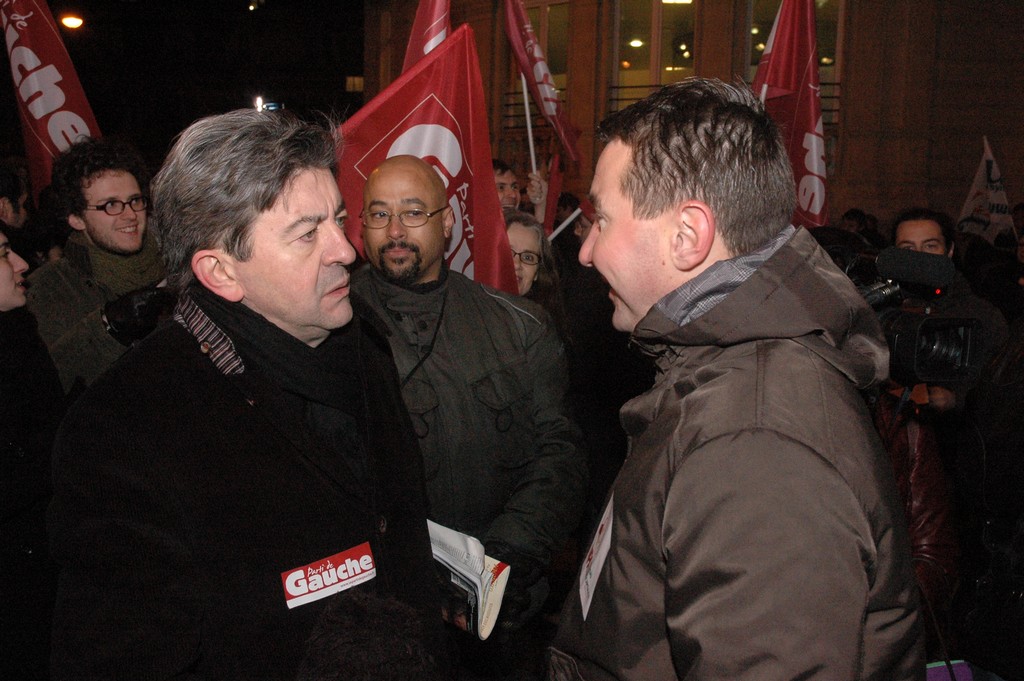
column 483, row 377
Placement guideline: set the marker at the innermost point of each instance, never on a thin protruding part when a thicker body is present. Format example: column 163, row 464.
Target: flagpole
column 565, row 223
column 529, row 124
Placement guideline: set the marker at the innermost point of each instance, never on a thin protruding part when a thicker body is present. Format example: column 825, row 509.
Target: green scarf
column 123, row 273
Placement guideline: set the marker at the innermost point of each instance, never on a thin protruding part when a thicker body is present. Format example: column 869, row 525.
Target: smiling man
column 101, row 295
column 754, row 530
column 250, row 458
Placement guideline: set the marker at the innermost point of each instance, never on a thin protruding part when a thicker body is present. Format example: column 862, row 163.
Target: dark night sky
column 151, row 67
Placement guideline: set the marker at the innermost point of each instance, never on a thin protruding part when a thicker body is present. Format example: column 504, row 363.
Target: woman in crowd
column 536, row 272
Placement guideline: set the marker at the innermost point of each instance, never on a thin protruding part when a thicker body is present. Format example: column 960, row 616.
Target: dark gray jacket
column 501, row 455
column 68, row 302
column 67, row 297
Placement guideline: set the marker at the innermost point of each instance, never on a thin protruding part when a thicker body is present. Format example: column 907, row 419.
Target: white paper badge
column 596, row 556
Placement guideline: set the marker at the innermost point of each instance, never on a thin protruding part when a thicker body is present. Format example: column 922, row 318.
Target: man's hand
column 517, row 604
column 537, row 190
column 134, row 315
column 941, row 399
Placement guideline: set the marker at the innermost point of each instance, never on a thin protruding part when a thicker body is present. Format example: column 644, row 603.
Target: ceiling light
column 636, row 43
column 71, row 21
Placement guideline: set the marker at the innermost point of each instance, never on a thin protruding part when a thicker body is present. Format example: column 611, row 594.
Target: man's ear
column 216, row 270
column 449, row 222
column 76, row 222
column 693, row 236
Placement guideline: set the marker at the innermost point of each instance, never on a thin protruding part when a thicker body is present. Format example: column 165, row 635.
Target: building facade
column 908, row 88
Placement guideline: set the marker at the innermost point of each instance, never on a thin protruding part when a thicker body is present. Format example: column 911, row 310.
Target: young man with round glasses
column 101, row 296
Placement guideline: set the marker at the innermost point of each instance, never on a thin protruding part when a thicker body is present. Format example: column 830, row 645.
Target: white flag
column 987, row 204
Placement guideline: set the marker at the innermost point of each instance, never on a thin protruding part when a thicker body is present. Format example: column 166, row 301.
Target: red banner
column 431, row 25
column 787, row 82
column 538, row 77
column 436, row 111
column 51, row 104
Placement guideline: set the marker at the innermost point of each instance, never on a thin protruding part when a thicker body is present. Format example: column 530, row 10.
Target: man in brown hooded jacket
column 754, row 530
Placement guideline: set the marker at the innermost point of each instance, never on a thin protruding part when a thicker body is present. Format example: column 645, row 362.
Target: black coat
column 184, row 497
column 31, row 402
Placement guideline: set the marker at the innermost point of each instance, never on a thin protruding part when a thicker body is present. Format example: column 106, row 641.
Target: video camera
column 923, row 348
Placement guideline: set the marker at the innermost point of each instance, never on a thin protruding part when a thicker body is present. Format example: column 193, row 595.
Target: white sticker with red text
column 328, row 575
column 596, row 556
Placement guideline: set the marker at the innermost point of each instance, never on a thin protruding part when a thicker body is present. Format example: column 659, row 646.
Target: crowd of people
column 689, row 435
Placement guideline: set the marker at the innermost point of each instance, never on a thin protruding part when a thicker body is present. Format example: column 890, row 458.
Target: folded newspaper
column 474, row 582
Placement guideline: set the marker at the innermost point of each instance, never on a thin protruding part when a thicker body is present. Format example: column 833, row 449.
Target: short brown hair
column 705, row 140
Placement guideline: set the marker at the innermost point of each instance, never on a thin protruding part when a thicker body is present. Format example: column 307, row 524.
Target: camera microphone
column 913, row 267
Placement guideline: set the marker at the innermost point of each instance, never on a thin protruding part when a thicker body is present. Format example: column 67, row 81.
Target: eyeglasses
column 116, row 206
column 379, row 219
column 527, row 257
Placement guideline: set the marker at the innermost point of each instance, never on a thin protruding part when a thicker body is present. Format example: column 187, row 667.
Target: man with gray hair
column 251, row 457
column 754, row 530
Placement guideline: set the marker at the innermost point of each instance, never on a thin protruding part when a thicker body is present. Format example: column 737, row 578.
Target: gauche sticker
column 328, row 576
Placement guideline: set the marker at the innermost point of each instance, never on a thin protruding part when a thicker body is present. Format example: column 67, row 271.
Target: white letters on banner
column 38, row 88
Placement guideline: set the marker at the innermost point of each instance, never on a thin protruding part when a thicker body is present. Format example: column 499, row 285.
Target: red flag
column 436, row 111
column 787, row 83
column 554, row 189
column 431, row 25
column 538, row 77
column 51, row 104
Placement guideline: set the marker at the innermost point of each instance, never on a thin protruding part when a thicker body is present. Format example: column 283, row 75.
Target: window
column 654, row 47
column 676, row 41
column 655, row 42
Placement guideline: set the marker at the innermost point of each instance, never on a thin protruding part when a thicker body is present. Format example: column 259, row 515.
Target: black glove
column 132, row 316
column 522, row 597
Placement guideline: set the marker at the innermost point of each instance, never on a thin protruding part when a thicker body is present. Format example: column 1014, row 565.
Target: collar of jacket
column 216, row 344
column 421, row 302
column 116, row 273
column 213, row 342
column 798, row 294
column 699, row 295
column 76, row 252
